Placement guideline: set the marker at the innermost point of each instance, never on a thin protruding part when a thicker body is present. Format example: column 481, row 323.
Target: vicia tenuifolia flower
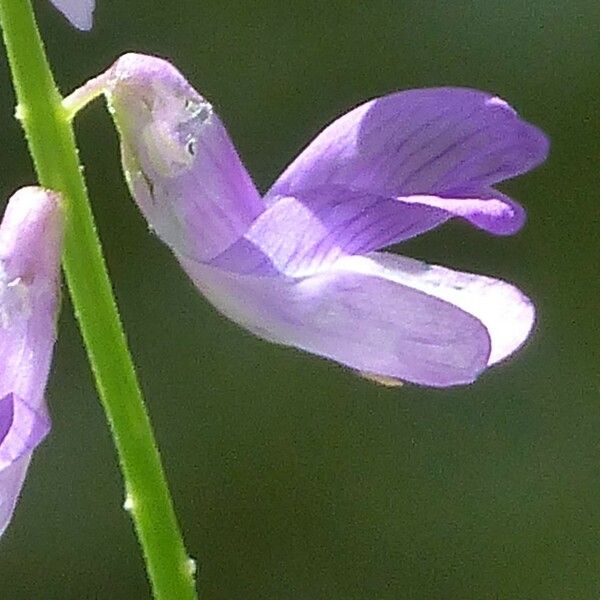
column 30, row 244
column 302, row 264
column 78, row 12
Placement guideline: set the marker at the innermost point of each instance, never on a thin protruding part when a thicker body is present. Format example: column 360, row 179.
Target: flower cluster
column 301, row 265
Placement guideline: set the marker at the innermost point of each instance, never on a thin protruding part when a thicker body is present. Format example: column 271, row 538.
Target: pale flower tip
column 179, row 161
column 497, row 101
column 31, row 233
column 135, row 72
column 140, row 87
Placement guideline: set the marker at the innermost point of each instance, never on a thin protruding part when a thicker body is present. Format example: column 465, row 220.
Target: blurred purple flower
column 30, row 242
column 299, row 266
column 78, row 12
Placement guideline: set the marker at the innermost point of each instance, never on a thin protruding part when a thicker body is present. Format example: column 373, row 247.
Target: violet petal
column 439, row 141
column 367, row 321
column 6, row 416
column 507, row 314
column 330, row 222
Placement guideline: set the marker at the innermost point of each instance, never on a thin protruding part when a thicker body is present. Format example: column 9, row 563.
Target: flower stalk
column 47, row 126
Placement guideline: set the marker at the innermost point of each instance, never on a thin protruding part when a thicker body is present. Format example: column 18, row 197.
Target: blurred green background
column 292, row 478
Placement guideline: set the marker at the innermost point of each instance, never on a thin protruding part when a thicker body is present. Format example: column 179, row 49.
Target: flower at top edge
column 303, row 264
column 79, row 12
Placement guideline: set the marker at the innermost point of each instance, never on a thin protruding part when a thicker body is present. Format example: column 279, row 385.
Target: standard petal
column 181, row 166
column 419, row 141
column 366, row 321
column 78, row 12
column 448, row 142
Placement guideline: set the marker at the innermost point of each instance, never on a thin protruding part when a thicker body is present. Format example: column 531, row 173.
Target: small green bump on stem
column 192, row 567
column 20, row 113
column 128, row 504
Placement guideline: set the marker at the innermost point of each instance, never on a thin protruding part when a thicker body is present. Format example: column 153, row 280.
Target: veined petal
column 307, row 234
column 430, row 142
column 30, row 246
column 367, row 321
column 300, row 236
column 79, row 12
column 419, row 141
column 181, row 166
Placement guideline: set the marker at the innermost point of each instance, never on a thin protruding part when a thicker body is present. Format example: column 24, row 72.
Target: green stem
column 52, row 145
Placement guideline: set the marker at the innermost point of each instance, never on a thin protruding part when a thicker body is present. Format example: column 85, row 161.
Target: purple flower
column 78, row 12
column 301, row 265
column 30, row 242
